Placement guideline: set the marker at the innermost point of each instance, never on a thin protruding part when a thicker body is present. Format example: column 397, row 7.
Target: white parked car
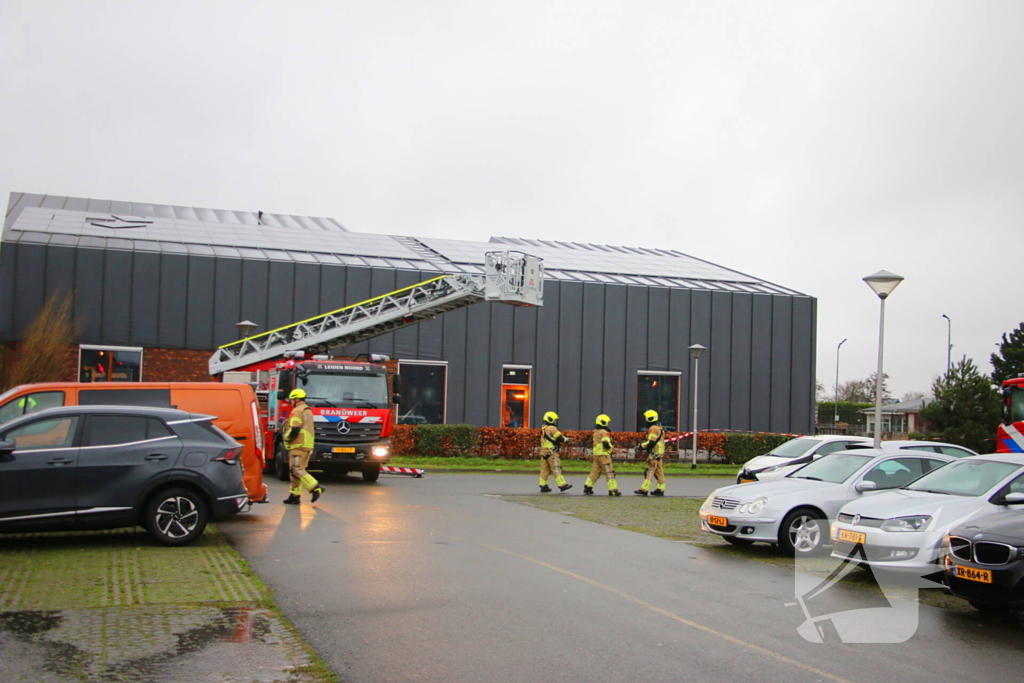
column 793, row 512
column 790, row 455
column 903, row 529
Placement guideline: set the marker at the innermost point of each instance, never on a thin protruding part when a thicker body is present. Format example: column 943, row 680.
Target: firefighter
column 298, row 439
column 654, row 445
column 602, row 458
column 551, row 441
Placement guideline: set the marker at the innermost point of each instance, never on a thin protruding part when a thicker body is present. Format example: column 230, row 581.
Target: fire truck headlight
column 380, row 451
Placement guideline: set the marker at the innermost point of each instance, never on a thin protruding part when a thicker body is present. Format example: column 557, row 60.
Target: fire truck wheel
column 371, row 473
column 281, row 463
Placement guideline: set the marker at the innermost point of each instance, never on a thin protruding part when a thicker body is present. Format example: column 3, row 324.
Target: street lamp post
column 949, row 341
column 882, row 283
column 695, row 352
column 836, row 421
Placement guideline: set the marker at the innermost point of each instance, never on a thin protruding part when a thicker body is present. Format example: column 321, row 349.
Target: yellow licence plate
column 343, row 449
column 979, row 575
column 717, row 521
column 850, row 536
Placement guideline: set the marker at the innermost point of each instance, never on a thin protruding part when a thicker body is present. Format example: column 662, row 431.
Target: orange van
column 234, row 406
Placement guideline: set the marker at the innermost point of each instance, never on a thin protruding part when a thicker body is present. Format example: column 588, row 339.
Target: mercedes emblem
column 344, row 427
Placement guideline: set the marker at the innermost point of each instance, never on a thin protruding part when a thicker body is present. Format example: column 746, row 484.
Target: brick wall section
column 158, row 365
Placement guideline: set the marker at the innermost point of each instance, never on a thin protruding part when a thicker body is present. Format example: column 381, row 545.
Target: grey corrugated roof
column 106, row 224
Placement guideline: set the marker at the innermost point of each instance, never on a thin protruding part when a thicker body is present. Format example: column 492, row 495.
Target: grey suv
column 103, row 467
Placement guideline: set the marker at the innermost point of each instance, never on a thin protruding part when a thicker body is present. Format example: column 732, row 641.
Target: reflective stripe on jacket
column 602, row 442
column 549, row 431
column 655, row 435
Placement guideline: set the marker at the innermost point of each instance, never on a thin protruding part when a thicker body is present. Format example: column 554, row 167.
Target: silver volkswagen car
column 793, row 512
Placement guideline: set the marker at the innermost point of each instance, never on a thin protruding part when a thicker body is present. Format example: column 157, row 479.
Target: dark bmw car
column 985, row 562
column 103, row 467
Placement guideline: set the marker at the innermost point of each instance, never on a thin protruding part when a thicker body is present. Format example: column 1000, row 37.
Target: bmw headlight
column 912, row 523
column 753, row 507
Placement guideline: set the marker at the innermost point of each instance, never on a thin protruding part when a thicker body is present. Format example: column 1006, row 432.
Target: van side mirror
column 863, row 486
column 7, row 447
column 281, row 395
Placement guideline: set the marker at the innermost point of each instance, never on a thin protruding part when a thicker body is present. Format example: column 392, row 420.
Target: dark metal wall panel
column 146, row 297
column 8, row 293
column 678, row 353
column 357, row 290
column 545, row 374
column 570, row 358
column 332, row 288
column 227, row 287
column 700, row 333
column 173, row 300
column 454, row 351
column 481, row 390
column 431, row 332
column 720, row 385
column 592, row 354
column 406, row 341
column 255, row 276
column 30, row 286
column 60, row 270
column 117, row 295
column 615, row 376
column 499, row 341
column 782, row 352
column 739, row 408
column 306, row 302
column 202, row 293
column 636, row 322
column 280, row 295
column 761, row 363
column 89, row 295
column 658, row 330
column 803, row 365
column 524, row 336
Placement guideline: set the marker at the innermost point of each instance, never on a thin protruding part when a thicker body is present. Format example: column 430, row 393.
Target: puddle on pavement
column 152, row 643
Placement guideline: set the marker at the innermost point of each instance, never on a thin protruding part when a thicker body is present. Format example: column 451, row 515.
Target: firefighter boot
column 640, row 492
column 545, row 489
column 292, row 499
column 563, row 485
column 565, row 488
column 615, row 492
column 317, row 492
column 588, row 490
column 658, row 492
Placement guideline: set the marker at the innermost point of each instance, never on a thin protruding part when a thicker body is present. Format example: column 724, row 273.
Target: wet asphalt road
column 435, row 580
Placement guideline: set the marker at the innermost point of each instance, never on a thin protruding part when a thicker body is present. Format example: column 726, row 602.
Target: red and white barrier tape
column 390, row 469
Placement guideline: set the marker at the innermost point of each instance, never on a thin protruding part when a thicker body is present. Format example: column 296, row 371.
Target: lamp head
column 883, row 282
column 696, row 350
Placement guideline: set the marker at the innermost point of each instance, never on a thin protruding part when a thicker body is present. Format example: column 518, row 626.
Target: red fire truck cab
column 1010, row 434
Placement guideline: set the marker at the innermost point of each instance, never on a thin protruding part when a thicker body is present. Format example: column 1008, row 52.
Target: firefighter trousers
column 550, row 464
column 298, row 460
column 655, row 470
column 602, row 466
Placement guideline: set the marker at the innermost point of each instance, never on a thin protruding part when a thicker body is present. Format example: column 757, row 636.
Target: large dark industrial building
column 156, row 288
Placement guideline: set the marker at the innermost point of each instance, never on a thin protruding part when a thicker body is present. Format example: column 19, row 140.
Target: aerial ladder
column 509, row 277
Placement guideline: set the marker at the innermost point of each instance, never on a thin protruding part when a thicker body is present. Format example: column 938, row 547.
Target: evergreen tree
column 966, row 409
column 1009, row 362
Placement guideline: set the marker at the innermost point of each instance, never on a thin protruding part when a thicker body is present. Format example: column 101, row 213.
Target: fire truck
column 1010, row 434
column 350, row 398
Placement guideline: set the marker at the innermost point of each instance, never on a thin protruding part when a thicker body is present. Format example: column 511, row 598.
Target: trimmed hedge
column 446, row 440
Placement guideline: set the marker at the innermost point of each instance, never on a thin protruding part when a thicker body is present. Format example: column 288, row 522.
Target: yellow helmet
column 602, row 421
column 296, row 393
column 651, row 416
column 550, row 417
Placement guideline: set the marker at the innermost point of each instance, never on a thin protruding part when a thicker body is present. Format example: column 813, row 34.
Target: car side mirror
column 7, row 447
column 864, row 486
column 1013, row 499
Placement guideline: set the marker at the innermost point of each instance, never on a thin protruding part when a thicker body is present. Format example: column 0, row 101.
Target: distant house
column 898, row 418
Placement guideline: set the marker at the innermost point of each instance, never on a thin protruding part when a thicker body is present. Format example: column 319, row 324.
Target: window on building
column 660, row 392
column 109, row 364
column 515, row 396
column 423, row 387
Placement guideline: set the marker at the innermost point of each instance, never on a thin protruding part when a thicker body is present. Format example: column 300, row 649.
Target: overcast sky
column 805, row 143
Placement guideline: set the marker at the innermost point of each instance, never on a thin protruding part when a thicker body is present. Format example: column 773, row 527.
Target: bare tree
column 45, row 342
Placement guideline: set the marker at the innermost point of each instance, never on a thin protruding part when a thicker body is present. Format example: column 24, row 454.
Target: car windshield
column 793, row 448
column 835, row 468
column 969, row 477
